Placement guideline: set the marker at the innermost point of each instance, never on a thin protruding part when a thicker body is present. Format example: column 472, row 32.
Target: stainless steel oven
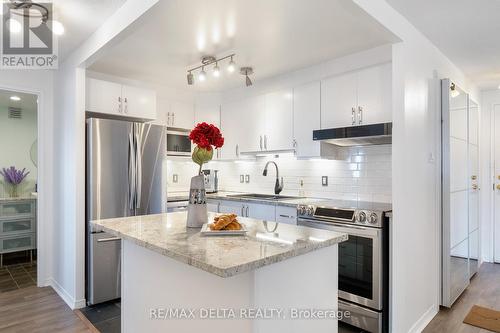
column 363, row 259
column 178, row 143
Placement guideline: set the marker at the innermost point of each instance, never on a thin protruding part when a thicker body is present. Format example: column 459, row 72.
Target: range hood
column 363, row 135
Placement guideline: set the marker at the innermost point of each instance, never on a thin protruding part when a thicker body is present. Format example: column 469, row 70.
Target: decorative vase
column 12, row 189
column 197, row 207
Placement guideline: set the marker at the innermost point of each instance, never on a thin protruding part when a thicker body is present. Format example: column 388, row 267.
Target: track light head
column 247, row 71
column 190, row 79
column 216, row 71
column 232, row 66
column 248, row 81
column 203, row 75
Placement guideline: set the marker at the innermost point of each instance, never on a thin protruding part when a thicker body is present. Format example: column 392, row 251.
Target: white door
column 231, row 126
column 496, row 240
column 306, row 118
column 103, row 97
column 139, row 102
column 279, row 120
column 339, row 101
column 181, row 115
column 374, row 87
column 473, row 132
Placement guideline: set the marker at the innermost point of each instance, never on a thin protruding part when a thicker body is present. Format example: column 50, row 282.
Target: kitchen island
column 277, row 278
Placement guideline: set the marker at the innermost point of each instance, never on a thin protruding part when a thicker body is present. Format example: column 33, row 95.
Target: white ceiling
column 28, row 102
column 80, row 19
column 466, row 31
column 271, row 36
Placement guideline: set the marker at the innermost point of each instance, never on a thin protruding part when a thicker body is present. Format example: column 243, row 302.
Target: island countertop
column 265, row 243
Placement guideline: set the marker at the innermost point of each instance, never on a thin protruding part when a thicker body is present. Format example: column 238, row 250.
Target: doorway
column 18, row 189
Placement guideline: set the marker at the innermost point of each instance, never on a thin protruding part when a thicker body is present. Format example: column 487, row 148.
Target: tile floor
column 17, row 276
column 105, row 317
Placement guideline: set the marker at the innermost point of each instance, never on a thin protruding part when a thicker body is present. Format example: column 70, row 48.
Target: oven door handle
column 340, row 227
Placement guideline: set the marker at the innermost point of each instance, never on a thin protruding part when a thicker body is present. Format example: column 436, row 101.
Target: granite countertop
column 265, row 243
column 222, row 195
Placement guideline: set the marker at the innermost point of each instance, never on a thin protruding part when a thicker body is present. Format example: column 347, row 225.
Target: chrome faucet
column 278, row 187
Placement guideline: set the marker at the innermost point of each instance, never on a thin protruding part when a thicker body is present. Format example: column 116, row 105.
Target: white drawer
column 286, row 214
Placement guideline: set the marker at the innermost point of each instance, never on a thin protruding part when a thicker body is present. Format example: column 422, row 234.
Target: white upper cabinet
column 103, row 97
column 120, row 100
column 278, row 121
column 138, row 102
column 375, row 95
column 181, row 115
column 207, row 113
column 306, row 118
column 359, row 98
column 232, row 129
column 338, row 101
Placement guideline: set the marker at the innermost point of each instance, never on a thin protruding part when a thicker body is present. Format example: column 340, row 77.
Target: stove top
column 345, row 211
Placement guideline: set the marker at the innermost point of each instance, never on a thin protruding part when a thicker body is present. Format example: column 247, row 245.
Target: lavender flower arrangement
column 13, row 176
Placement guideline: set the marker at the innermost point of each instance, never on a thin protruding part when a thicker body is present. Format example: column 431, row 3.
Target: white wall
column 16, row 139
column 488, row 100
column 40, row 82
column 69, row 116
column 361, row 173
column 415, row 242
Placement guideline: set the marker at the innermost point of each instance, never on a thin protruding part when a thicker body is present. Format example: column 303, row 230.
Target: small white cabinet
column 278, row 121
column 119, row 100
column 358, row 98
column 306, row 118
column 181, row 115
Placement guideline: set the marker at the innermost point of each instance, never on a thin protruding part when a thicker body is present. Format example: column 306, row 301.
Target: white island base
column 151, row 281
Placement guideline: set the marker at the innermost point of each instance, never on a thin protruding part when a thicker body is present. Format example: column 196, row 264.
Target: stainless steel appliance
column 179, row 205
column 125, row 177
column 363, row 258
column 363, row 135
column 178, row 143
column 211, row 181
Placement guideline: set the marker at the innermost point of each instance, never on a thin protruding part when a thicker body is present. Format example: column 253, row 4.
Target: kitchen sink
column 262, row 196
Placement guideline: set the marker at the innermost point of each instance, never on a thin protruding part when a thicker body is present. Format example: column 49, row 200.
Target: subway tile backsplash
column 360, row 173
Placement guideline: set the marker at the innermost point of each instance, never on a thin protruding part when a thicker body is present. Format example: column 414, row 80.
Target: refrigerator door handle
column 138, row 161
column 131, row 170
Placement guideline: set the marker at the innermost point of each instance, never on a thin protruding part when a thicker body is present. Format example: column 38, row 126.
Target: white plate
column 205, row 231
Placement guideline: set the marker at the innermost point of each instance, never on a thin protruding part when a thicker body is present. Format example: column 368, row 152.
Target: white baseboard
column 423, row 321
column 67, row 298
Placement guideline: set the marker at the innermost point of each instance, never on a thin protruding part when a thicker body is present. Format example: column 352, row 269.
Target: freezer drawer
column 104, row 268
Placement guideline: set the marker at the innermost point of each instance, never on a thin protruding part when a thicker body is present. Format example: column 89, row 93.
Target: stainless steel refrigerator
column 126, row 176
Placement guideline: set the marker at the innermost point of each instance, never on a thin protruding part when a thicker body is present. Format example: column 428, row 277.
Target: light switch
column 247, row 178
column 324, row 180
column 175, row 178
column 242, row 179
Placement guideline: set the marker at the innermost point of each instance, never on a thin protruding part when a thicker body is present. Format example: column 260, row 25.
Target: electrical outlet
column 242, row 179
column 175, row 178
column 247, row 178
column 324, row 180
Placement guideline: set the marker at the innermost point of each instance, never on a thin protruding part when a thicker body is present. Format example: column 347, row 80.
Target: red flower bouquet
column 206, row 137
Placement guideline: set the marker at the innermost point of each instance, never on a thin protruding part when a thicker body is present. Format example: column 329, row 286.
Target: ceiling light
column 57, row 28
column 232, row 66
column 15, row 98
column 216, row 70
column 247, row 71
column 202, row 76
column 499, row 87
column 14, row 25
column 190, row 79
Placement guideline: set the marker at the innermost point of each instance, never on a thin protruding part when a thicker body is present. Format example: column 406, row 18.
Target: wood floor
column 37, row 310
column 484, row 290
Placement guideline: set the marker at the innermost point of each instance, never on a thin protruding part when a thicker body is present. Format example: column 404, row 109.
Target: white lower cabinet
column 266, row 212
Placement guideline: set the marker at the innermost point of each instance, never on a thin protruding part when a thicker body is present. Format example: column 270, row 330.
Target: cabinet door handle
column 265, row 142
column 353, row 116
column 287, row 216
column 261, row 142
column 125, row 109
column 246, row 212
column 360, row 115
column 111, row 239
column 173, row 118
column 237, row 150
column 242, row 210
column 168, row 118
column 119, row 104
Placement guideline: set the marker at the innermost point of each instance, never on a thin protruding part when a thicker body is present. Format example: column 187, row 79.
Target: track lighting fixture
column 207, row 61
column 190, row 78
column 247, row 71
